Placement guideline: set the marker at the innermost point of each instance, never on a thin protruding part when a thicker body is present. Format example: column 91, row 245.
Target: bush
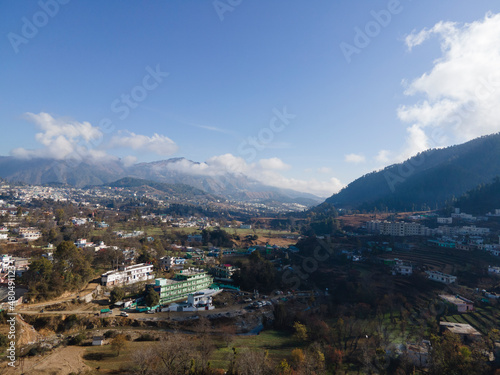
column 78, row 339
column 146, row 337
column 110, row 334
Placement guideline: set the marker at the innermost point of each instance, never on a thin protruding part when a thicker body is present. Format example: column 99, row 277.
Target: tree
column 300, row 331
column 152, row 298
column 117, row 294
column 174, row 354
column 118, row 343
column 251, row 362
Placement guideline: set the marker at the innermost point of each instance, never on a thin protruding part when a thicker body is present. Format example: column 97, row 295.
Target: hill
column 231, row 186
column 426, row 180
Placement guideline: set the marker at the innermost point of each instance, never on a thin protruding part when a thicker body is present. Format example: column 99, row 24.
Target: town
column 88, row 273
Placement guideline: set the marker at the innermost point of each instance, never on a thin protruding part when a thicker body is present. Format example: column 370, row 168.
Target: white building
column 445, row 220
column 30, row 234
column 492, row 269
column 126, row 275
column 398, row 228
column 441, row 277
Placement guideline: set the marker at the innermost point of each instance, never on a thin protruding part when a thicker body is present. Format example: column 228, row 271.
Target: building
column 126, row 275
column 172, row 262
column 184, row 283
column 195, row 238
column 465, row 331
column 445, row 220
column 198, row 301
column 224, row 271
column 97, row 340
column 399, row 228
column 402, row 268
column 493, row 269
column 441, row 277
column 30, row 234
column 462, row 304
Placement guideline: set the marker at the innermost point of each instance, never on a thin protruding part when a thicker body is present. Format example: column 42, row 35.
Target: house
column 493, row 269
column 224, row 271
column 402, row 268
column 465, row 331
column 462, row 304
column 418, row 354
column 195, row 238
column 440, row 277
column 172, row 262
column 29, row 234
column 198, row 301
column 126, row 275
column 97, row 340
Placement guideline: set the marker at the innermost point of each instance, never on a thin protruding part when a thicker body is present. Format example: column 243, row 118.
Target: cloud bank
column 458, row 98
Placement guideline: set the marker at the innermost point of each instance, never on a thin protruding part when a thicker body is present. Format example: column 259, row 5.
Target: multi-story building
column 399, row 228
column 128, row 275
column 185, row 282
column 30, row 234
column 224, row 271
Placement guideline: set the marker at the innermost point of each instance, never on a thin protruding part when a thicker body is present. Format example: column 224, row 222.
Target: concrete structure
column 401, row 268
column 462, row 304
column 445, row 220
column 224, row 271
column 30, row 234
column 97, row 340
column 493, row 269
column 198, row 301
column 398, row 228
column 441, row 277
column 128, row 275
column 465, row 331
column 185, row 282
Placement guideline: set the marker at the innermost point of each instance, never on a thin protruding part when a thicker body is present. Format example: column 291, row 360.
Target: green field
column 278, row 344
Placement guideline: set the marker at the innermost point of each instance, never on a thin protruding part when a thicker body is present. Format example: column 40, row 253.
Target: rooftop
column 460, row 328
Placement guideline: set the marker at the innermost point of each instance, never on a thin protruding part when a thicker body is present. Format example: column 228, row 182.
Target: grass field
column 278, row 344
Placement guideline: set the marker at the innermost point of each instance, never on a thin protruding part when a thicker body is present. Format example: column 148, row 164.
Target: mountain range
column 427, row 180
column 84, row 174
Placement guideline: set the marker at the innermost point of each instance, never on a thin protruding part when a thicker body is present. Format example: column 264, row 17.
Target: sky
column 296, row 94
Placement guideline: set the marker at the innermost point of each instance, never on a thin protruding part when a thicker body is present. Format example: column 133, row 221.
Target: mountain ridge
column 430, row 178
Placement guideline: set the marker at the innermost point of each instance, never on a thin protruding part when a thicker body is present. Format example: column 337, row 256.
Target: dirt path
column 61, row 361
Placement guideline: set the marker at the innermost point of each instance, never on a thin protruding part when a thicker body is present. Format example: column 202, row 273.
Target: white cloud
column 324, row 170
column 266, row 171
column 460, row 94
column 383, row 156
column 158, row 144
column 274, row 164
column 354, row 158
column 62, row 139
column 129, row 160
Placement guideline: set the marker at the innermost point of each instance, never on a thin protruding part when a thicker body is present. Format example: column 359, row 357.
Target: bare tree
column 252, row 362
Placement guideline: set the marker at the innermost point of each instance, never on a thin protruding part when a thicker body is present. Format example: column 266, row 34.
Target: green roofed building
column 185, row 282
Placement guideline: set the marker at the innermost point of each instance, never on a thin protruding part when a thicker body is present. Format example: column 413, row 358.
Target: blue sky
column 266, row 88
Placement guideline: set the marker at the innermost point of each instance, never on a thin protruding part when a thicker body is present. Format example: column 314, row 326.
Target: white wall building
column 441, row 277
column 126, row 275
